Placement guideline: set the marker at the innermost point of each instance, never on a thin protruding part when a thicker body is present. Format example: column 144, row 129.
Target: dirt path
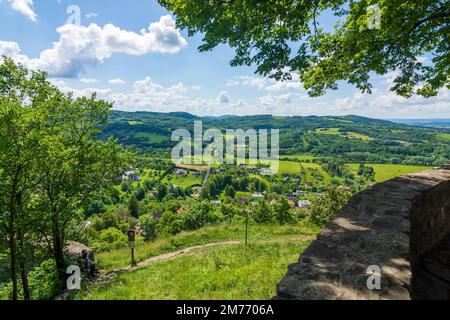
column 170, row 255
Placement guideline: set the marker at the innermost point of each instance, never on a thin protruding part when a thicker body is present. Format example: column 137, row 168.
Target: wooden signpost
column 131, row 242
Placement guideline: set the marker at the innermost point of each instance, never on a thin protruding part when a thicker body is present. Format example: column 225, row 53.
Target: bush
column 263, row 213
column 324, row 209
column 283, row 212
column 148, row 226
column 43, row 280
column 109, row 239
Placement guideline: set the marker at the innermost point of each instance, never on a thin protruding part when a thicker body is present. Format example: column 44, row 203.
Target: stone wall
column 401, row 226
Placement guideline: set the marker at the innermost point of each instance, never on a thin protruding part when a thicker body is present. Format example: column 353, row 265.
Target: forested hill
column 349, row 138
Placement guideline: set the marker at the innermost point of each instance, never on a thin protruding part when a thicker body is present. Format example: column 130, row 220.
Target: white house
column 304, row 204
column 181, row 172
column 130, row 175
column 257, row 196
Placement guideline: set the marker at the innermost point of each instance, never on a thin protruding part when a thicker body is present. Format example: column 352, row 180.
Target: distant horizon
column 274, row 115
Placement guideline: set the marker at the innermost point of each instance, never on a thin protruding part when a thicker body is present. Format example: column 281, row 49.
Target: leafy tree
column 51, row 162
column 76, row 165
column 23, row 97
column 265, row 32
column 324, row 209
column 263, row 212
column 162, row 191
column 148, row 225
column 230, row 191
column 133, row 207
column 283, row 212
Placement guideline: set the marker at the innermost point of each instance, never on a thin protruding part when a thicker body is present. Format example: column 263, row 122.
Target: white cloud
column 91, row 15
column 267, row 84
column 24, row 7
column 88, row 81
column 273, row 100
column 386, row 104
column 81, row 46
column 223, row 97
column 117, row 81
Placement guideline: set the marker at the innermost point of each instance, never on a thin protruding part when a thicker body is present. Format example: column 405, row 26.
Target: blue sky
column 131, row 53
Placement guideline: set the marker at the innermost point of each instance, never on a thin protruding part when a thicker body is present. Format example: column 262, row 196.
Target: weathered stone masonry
column 402, row 226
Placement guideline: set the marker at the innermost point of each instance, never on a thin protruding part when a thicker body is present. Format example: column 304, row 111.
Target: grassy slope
column 385, row 172
column 227, row 272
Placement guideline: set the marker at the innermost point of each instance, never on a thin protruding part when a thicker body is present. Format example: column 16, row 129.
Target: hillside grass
column 119, row 258
column 443, row 137
column 221, row 272
column 151, row 137
column 183, row 182
column 385, row 172
column 337, row 131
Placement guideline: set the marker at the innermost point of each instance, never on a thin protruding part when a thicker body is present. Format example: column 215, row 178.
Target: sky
column 132, row 54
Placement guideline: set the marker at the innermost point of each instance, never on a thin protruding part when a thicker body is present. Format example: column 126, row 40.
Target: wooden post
column 131, row 241
column 246, row 227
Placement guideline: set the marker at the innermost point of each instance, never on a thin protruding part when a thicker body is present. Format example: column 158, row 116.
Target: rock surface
column 401, row 226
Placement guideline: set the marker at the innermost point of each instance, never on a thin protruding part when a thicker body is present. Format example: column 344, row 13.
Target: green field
column 444, row 137
column 337, row 131
column 385, row 172
column 301, row 157
column 221, row 272
column 183, row 182
column 151, row 137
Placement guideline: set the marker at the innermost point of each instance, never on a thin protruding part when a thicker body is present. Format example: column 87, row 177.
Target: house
column 252, row 168
column 308, row 184
column 130, row 176
column 242, row 200
column 180, row 210
column 181, row 173
column 266, row 171
column 157, row 215
column 344, row 188
column 274, row 201
column 87, row 224
column 299, row 193
column 304, row 204
column 257, row 196
column 291, row 203
column 216, row 202
column 153, row 194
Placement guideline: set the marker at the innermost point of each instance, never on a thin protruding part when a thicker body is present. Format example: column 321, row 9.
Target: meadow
column 385, row 172
column 221, row 272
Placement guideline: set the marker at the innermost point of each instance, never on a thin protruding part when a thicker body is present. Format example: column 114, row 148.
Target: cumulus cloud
column 223, row 97
column 386, row 104
column 81, row 46
column 266, row 84
column 91, row 15
column 271, row 99
column 24, row 7
column 88, row 81
column 117, row 81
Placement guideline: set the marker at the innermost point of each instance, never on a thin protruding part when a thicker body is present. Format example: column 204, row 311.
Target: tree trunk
column 23, row 271
column 13, row 265
column 58, row 248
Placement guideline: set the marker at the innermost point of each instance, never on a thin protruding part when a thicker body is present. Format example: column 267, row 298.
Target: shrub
column 109, row 239
column 324, row 209
column 283, row 212
column 44, row 281
column 148, row 226
column 263, row 213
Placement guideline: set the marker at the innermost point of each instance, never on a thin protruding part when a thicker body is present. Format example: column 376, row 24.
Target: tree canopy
column 284, row 36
